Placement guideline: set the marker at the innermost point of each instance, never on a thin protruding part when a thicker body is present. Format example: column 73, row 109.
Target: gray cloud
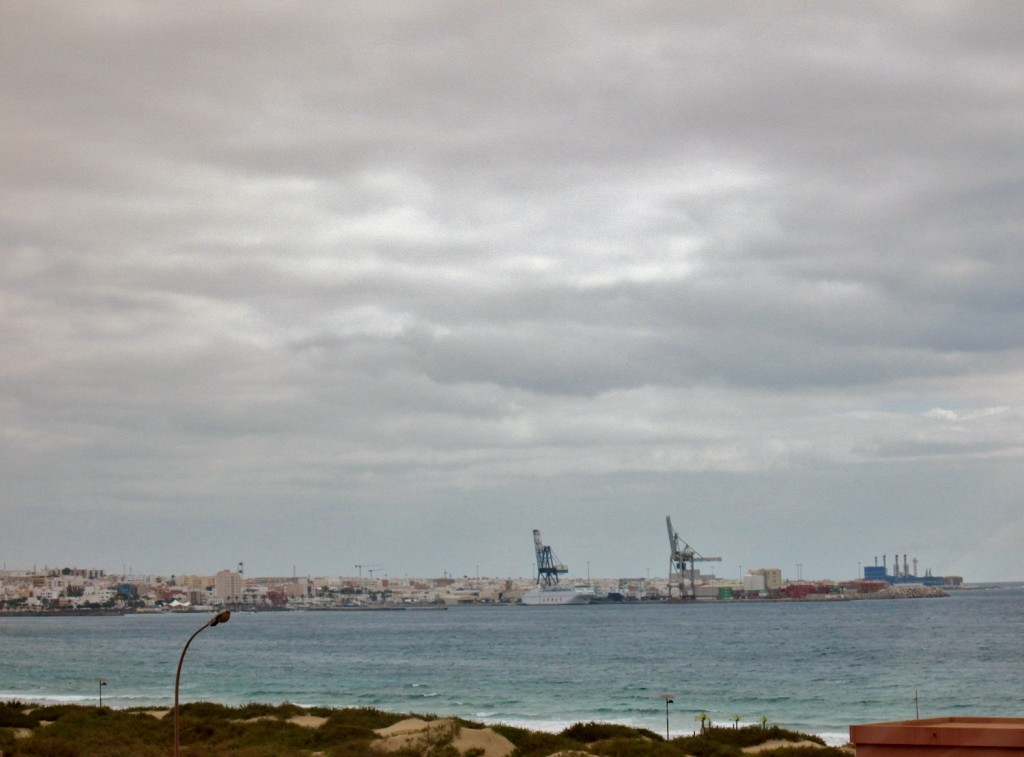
column 305, row 284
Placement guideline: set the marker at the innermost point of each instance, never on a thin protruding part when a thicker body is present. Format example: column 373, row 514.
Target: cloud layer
column 395, row 283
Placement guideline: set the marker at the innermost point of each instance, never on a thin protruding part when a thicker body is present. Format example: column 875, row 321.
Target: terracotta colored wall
column 938, row 737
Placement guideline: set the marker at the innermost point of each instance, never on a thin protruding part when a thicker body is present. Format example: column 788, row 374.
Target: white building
column 763, row 579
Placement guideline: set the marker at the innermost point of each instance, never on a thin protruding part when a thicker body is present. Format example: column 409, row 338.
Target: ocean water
column 814, row 667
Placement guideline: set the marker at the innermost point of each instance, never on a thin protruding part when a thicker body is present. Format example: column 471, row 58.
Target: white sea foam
column 48, row 698
column 835, row 739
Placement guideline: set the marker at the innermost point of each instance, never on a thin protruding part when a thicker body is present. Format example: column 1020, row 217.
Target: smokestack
column 884, row 568
column 906, row 566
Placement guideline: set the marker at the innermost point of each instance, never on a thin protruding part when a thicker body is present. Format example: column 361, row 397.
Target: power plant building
column 901, row 574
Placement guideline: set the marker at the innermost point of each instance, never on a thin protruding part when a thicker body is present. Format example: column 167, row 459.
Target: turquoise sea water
column 815, row 667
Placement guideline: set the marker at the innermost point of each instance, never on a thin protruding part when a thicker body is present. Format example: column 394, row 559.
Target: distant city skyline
column 313, row 286
column 899, row 565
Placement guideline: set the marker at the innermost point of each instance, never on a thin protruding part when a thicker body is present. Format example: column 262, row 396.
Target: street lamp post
column 102, row 683
column 222, row 617
column 668, row 700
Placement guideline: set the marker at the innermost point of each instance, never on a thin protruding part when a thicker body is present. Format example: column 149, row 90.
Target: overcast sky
column 318, row 285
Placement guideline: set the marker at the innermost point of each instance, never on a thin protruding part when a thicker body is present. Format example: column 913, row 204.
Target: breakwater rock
column 903, row 591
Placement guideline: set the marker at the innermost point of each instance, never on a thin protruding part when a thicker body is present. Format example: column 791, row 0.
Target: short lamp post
column 102, row 682
column 669, row 699
column 221, row 617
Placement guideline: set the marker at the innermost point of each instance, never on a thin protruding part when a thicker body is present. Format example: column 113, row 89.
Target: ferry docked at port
column 558, row 595
column 549, row 591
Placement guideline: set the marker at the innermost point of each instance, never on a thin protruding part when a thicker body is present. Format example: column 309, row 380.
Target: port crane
column 548, row 566
column 369, row 569
column 682, row 561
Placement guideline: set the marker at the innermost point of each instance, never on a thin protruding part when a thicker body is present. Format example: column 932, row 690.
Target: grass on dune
column 260, row 730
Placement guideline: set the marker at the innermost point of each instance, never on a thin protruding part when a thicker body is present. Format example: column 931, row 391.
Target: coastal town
column 68, row 590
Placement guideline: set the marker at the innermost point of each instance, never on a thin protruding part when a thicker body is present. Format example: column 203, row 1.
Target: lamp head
column 222, row 617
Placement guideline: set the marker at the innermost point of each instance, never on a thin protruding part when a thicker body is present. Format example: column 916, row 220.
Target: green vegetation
column 588, row 733
column 261, row 730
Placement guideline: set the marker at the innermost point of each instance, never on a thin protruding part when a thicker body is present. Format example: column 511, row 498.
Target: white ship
column 558, row 595
column 549, row 591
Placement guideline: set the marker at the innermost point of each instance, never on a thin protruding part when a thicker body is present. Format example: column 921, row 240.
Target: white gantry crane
column 548, row 566
column 681, row 562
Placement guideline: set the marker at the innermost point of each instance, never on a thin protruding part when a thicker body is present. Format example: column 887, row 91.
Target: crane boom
column 548, row 566
column 682, row 559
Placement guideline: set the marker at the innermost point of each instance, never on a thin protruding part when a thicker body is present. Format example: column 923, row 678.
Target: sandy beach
column 411, row 732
